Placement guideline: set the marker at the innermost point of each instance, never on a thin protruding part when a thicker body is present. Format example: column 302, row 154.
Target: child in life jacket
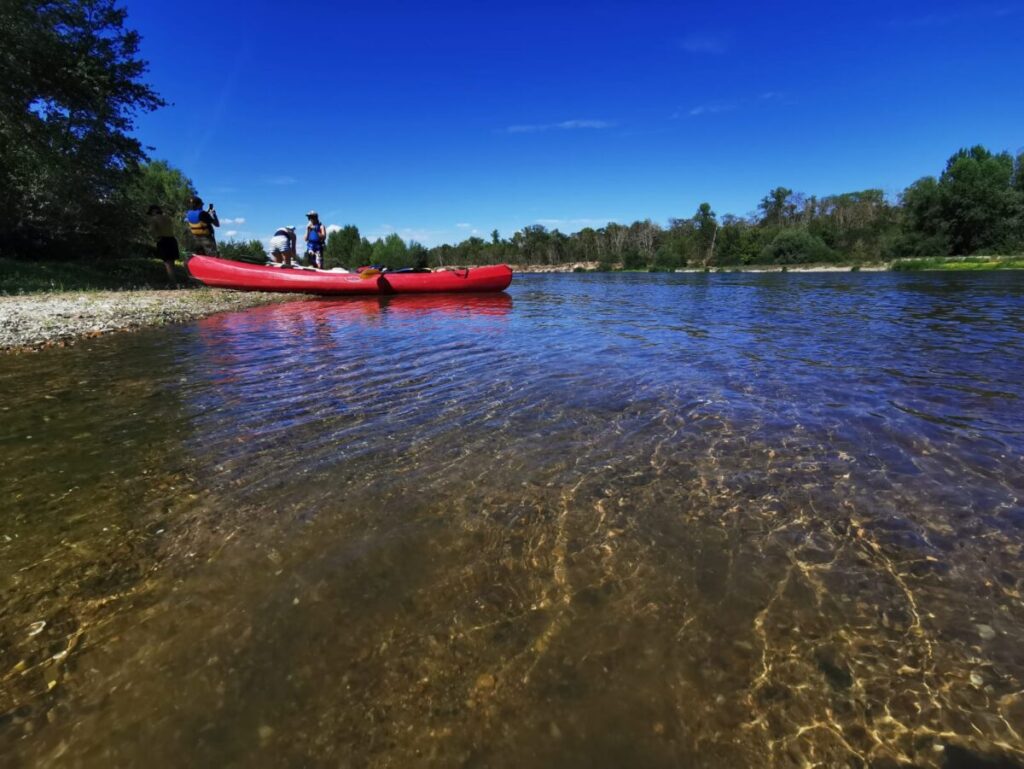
column 316, row 237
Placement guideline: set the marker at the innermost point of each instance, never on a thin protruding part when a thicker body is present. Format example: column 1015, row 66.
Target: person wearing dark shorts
column 162, row 230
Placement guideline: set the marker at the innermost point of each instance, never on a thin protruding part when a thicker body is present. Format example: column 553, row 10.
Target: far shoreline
column 34, row 321
column 581, row 267
column 907, row 264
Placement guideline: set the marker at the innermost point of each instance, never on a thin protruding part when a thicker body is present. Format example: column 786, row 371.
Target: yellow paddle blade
column 369, row 274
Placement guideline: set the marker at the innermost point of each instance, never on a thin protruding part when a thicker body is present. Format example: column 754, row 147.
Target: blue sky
column 441, row 120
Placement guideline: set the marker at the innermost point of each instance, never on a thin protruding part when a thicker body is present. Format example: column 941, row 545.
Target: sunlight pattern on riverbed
column 701, row 521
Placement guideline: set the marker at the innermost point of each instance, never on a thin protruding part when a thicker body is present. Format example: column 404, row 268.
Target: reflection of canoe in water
column 370, row 306
column 223, row 273
column 347, row 320
column 367, row 307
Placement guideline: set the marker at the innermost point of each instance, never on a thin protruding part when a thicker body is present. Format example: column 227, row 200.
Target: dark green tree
column 342, row 247
column 777, row 208
column 974, row 206
column 632, row 259
column 156, row 183
column 362, row 254
column 418, row 256
column 796, row 246
column 979, row 203
column 390, row 252
column 471, row 251
column 857, row 225
column 672, row 254
column 251, row 251
column 740, row 241
column 706, row 230
column 70, row 86
column 925, row 230
column 586, row 246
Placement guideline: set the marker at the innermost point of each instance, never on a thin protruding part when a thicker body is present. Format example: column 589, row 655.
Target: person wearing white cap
column 316, row 237
column 282, row 246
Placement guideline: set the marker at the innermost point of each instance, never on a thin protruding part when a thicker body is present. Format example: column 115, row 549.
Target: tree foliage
column 389, row 252
column 979, row 201
column 251, row 251
column 976, row 205
column 70, row 85
column 156, row 183
column 796, row 246
column 342, row 247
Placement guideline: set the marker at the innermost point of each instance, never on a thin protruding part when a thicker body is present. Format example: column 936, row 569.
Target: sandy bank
column 32, row 321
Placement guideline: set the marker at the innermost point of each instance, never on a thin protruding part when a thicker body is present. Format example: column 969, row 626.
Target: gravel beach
column 32, row 321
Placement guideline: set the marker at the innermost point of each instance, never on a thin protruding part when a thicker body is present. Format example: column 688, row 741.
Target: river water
column 725, row 520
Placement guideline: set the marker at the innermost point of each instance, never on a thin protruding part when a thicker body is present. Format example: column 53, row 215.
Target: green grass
column 19, row 276
column 960, row 264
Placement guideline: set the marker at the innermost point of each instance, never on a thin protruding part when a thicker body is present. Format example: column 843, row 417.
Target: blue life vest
column 313, row 235
column 198, row 227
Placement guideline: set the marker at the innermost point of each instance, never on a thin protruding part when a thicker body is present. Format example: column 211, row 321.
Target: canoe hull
column 224, row 273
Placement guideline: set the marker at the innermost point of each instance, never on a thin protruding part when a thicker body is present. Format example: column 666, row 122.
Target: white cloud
column 231, row 233
column 463, row 225
column 565, row 125
column 763, row 99
column 237, row 220
column 333, row 228
column 570, row 124
column 709, row 44
column 711, row 109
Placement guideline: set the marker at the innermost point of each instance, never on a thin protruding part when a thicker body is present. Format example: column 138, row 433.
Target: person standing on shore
column 316, row 237
column 162, row 229
column 201, row 224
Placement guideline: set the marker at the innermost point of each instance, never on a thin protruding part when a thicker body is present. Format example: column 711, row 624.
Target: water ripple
column 701, row 520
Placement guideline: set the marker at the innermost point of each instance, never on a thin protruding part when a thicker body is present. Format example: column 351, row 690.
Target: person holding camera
column 201, row 224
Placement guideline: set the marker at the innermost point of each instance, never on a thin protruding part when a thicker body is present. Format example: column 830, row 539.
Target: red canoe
column 223, row 273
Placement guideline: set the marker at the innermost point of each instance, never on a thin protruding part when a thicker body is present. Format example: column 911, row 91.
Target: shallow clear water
column 694, row 521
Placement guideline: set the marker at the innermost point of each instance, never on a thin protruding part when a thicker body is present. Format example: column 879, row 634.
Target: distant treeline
column 975, row 206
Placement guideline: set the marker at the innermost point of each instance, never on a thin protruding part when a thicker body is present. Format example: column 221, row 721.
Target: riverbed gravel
column 32, row 321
